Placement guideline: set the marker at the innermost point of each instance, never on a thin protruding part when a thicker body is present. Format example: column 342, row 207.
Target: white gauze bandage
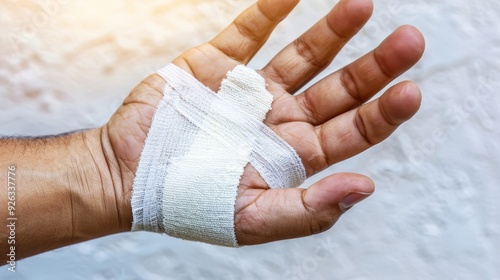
column 197, row 148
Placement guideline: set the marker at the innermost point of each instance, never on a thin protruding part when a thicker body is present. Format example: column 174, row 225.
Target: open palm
column 327, row 123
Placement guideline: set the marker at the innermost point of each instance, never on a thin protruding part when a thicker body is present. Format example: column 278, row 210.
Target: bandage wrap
column 197, row 148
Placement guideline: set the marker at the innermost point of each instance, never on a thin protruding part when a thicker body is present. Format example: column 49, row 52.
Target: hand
column 327, row 123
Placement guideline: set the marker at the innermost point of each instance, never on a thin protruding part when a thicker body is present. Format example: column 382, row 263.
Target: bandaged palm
column 326, row 123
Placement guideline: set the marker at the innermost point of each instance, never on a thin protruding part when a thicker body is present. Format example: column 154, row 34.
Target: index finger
column 249, row 31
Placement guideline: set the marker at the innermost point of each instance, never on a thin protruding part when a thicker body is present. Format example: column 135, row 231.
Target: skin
column 77, row 187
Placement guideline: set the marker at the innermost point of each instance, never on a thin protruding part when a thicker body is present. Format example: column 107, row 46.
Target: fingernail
column 352, row 199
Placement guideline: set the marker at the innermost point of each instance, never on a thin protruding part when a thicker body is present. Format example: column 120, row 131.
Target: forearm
column 65, row 193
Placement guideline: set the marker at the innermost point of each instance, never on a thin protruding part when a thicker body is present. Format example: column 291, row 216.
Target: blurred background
column 67, row 65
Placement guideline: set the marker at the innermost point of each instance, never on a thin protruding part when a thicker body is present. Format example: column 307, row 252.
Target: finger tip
column 362, row 184
column 413, row 39
column 404, row 102
column 277, row 9
column 361, row 7
column 357, row 188
column 358, row 182
column 353, row 13
column 339, row 185
column 412, row 95
column 401, row 50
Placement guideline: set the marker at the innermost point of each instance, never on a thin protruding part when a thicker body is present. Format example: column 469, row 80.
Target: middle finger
column 308, row 55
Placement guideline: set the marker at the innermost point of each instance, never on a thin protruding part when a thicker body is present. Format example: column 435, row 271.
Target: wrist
column 68, row 190
column 105, row 197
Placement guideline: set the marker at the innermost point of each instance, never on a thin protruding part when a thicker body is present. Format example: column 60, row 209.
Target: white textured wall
column 435, row 215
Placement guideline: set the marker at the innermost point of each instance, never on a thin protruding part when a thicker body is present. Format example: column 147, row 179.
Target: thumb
column 332, row 196
column 292, row 213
